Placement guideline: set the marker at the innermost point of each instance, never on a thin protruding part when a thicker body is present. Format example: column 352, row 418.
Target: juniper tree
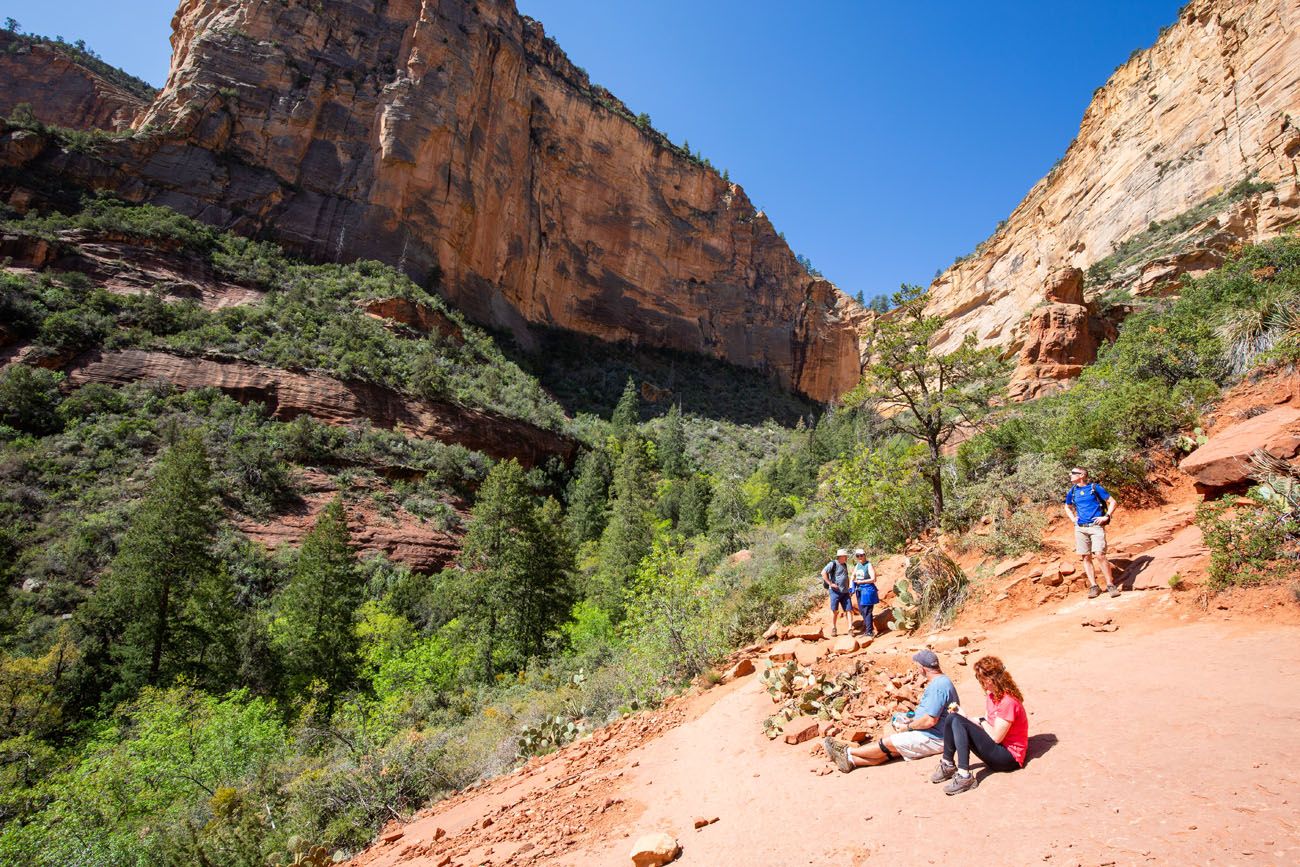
column 921, row 393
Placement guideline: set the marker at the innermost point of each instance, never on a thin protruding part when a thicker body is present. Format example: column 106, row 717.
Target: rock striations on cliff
column 1215, row 101
column 62, row 91
column 456, row 140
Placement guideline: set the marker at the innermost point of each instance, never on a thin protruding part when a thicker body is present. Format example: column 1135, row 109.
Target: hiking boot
column 960, row 784
column 839, row 753
column 1094, row 591
column 1114, row 590
column 945, row 771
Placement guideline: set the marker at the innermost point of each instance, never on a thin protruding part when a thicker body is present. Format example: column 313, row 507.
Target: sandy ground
column 1170, row 740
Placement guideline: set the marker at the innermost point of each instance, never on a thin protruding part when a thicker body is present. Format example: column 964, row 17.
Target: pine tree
column 517, row 570
column 628, row 535
column 628, row 410
column 693, row 512
column 672, row 445
column 543, row 600
column 589, row 497
column 165, row 590
column 729, row 514
column 315, row 627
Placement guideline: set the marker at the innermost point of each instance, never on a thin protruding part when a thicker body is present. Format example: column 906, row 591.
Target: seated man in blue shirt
column 917, row 737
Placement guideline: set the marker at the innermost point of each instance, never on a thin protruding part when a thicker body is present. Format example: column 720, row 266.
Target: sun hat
column 843, row 552
column 858, row 551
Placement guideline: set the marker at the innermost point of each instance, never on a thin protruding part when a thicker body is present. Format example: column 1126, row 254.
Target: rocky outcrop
column 457, row 141
column 1224, row 460
column 288, row 394
column 400, row 536
column 130, row 266
column 60, row 90
column 1211, row 103
column 1061, row 337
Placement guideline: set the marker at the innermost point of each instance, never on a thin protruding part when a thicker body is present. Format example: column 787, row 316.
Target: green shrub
column 1249, row 544
column 30, row 398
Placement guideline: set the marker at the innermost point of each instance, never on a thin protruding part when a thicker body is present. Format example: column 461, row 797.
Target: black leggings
column 961, row 737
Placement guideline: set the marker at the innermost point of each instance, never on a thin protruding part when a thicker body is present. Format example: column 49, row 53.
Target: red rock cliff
column 1215, row 100
column 60, row 90
column 456, row 138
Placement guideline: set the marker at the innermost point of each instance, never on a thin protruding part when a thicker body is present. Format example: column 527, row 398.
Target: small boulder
column 1065, row 567
column 654, row 850
column 1010, row 565
column 844, row 644
column 807, row 654
column 772, row 631
column 805, row 632
column 1224, row 460
column 704, row 821
column 740, row 669
column 785, row 650
column 800, row 729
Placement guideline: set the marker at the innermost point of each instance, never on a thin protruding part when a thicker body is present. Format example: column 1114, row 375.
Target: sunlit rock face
column 1214, row 101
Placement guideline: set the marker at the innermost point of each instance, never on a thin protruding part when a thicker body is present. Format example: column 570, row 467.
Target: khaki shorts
column 915, row 745
column 1090, row 539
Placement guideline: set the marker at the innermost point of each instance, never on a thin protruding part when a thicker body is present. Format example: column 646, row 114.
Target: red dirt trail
column 1171, row 740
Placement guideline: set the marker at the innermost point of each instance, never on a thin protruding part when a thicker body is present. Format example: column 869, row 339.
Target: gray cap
column 926, row 657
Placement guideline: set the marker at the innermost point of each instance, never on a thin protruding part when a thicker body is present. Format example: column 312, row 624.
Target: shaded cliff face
column 1210, row 104
column 60, row 90
column 456, row 139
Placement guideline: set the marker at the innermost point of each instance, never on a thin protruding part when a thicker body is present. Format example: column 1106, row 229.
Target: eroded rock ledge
column 288, row 394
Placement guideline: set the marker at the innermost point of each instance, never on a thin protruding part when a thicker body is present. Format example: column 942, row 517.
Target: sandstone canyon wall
column 1214, row 101
column 62, row 91
column 455, row 139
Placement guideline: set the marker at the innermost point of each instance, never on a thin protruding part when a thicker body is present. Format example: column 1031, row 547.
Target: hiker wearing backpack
column 1089, row 506
column 835, row 577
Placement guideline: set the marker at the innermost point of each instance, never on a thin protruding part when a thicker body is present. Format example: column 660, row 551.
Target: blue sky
column 883, row 139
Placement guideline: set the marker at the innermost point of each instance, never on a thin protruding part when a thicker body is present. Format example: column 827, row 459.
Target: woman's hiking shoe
column 1114, row 590
column 839, row 753
column 960, row 784
column 945, row 771
column 1094, row 591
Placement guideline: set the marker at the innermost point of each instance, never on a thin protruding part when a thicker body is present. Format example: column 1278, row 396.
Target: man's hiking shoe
column 1114, row 590
column 1094, row 591
column 944, row 772
column 839, row 753
column 960, row 784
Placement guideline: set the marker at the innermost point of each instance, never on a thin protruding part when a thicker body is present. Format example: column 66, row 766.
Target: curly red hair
column 995, row 678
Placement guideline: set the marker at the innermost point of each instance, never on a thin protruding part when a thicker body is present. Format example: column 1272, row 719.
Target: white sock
column 962, row 773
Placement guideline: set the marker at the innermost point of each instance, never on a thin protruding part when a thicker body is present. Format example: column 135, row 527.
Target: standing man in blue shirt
column 1089, row 506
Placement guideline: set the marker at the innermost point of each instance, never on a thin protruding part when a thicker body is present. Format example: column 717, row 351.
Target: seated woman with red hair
column 1001, row 738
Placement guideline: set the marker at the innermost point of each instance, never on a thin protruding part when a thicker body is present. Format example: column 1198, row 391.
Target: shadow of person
column 1130, row 573
column 1039, row 744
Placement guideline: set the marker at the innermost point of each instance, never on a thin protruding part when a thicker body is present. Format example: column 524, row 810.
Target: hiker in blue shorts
column 1089, row 506
column 864, row 590
column 835, row 576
